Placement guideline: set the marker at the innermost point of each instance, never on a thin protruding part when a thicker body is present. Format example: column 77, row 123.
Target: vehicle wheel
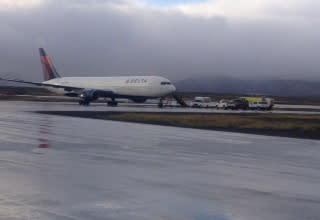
column 112, row 104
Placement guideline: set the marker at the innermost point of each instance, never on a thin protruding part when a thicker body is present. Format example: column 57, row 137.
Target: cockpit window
column 165, row 83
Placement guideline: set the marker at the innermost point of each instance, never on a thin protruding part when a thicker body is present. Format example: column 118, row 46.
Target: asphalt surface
column 54, row 167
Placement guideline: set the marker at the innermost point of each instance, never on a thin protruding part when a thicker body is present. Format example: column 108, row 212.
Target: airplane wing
column 67, row 88
column 102, row 93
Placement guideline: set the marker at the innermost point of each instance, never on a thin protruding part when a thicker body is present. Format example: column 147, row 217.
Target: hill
column 228, row 85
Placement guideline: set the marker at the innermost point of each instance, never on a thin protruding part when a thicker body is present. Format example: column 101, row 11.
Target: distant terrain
column 217, row 85
column 14, row 90
column 283, row 91
column 229, row 85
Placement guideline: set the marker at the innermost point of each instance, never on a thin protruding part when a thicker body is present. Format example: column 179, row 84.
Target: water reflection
column 44, row 131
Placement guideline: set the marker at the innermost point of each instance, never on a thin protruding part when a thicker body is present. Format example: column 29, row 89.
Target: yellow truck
column 259, row 103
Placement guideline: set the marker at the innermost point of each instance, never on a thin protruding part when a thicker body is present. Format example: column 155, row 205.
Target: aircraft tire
column 113, row 104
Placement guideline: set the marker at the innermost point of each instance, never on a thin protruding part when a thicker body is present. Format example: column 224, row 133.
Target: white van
column 202, row 102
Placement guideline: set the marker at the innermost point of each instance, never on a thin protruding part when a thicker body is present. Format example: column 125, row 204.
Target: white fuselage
column 131, row 86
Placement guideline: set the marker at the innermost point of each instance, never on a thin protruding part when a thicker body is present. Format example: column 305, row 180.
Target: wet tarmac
column 61, row 168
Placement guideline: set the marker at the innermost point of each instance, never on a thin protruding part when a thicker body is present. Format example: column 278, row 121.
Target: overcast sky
column 173, row 38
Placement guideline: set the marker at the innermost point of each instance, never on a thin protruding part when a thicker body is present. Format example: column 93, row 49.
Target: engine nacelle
column 89, row 95
column 71, row 94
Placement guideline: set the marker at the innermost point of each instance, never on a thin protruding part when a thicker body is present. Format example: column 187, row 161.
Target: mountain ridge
column 229, row 85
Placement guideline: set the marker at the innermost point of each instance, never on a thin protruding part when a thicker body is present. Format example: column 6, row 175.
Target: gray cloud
column 102, row 40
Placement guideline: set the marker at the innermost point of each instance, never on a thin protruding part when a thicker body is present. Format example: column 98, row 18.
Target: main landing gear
column 84, row 102
column 112, row 103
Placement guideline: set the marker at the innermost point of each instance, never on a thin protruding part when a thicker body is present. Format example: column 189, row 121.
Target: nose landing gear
column 112, row 103
column 160, row 104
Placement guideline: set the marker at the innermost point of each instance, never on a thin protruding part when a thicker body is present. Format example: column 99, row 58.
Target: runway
column 62, row 168
column 69, row 105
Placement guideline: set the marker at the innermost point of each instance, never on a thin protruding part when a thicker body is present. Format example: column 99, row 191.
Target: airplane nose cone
column 173, row 88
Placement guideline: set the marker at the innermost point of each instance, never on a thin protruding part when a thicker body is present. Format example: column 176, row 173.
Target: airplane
column 88, row 89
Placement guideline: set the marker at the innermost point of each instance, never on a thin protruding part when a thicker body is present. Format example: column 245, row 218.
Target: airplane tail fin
column 48, row 69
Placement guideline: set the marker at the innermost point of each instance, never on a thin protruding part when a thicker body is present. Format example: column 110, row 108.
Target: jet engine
column 89, row 95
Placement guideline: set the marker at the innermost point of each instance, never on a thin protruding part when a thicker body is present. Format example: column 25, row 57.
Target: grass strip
column 287, row 125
